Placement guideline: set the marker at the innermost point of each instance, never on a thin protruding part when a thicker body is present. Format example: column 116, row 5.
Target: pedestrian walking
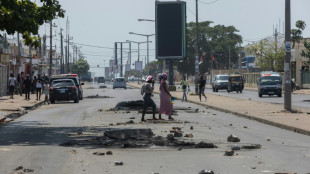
column 202, row 84
column 33, row 84
column 147, row 90
column 27, row 84
column 46, row 89
column 12, row 84
column 185, row 86
column 165, row 106
column 39, row 86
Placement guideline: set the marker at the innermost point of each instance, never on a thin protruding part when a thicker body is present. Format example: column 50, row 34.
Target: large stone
column 233, row 138
column 178, row 134
column 123, row 134
column 229, row 152
column 206, row 172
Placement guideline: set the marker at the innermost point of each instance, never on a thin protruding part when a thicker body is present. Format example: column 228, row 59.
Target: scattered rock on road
column 206, row 172
column 132, row 118
column 122, row 134
column 170, row 137
column 205, row 145
column 130, row 122
column 229, row 152
column 192, row 127
column 109, row 153
column 233, row 138
column 98, row 153
column 178, row 134
column 118, row 163
column 21, row 170
column 189, row 135
column 252, row 146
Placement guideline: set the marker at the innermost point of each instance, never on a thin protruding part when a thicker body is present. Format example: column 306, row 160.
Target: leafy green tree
column 153, row 68
column 306, row 52
column 297, row 33
column 267, row 58
column 80, row 67
column 25, row 17
column 217, row 40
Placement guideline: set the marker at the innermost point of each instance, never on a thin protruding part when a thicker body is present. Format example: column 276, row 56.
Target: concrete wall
column 3, row 80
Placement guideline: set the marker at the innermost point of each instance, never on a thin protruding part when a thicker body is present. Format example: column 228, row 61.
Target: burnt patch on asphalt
column 138, row 138
column 97, row 96
column 22, row 170
column 306, row 100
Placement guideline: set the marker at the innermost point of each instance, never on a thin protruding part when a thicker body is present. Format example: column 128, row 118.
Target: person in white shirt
column 46, row 89
column 12, row 84
column 39, row 85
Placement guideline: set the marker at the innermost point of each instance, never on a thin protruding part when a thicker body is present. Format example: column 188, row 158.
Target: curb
column 14, row 115
column 279, row 125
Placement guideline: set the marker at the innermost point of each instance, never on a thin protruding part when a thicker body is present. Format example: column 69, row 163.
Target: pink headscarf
column 149, row 78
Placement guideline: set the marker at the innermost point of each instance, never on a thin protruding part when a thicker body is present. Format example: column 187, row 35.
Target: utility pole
column 66, row 61
column 30, row 57
column 240, row 56
column 121, row 68
column 19, row 55
column 229, row 60
column 197, row 52
column 287, row 65
column 276, row 47
column 51, row 50
column 62, row 53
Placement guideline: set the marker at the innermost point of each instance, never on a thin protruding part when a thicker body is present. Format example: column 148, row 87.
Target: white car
column 119, row 82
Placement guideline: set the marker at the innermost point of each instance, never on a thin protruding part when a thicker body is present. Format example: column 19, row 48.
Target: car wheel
column 213, row 89
column 52, row 101
column 280, row 94
column 113, row 88
column 259, row 94
column 228, row 91
column 237, row 91
column 76, row 100
column 216, row 90
column 240, row 91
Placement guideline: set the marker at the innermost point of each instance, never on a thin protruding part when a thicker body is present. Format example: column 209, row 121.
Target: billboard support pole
column 171, row 74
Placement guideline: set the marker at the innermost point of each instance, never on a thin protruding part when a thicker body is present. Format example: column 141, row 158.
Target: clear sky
column 103, row 22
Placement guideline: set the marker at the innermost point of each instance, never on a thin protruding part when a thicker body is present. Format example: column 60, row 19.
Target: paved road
column 33, row 140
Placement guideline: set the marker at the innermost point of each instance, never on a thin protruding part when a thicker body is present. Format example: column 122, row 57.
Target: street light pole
column 197, row 52
column 147, row 38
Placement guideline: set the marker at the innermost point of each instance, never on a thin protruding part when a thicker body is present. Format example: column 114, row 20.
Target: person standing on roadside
column 166, row 106
column 46, row 89
column 12, row 84
column 27, row 84
column 202, row 84
column 147, row 89
column 184, row 84
column 39, row 86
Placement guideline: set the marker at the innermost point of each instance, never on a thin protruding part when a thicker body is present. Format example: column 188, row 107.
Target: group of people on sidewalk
column 27, row 84
column 166, row 104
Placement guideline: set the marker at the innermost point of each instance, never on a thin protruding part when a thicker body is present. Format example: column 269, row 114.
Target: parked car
column 64, row 89
column 119, row 82
column 74, row 77
column 220, row 82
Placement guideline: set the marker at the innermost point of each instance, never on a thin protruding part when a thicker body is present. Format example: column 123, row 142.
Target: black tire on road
column 259, row 94
column 52, row 101
column 216, row 90
column 76, row 100
column 280, row 94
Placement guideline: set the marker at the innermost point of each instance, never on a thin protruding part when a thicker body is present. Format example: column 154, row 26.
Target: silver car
column 119, row 82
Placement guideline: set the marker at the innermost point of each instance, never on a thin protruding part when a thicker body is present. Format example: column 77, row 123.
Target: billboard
column 138, row 66
column 170, row 29
column 107, row 72
column 127, row 67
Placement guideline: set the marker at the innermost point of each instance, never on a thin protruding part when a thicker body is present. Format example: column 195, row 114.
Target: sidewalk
column 272, row 114
column 18, row 106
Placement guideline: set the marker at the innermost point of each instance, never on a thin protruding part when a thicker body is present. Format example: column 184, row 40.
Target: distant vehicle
column 74, row 77
column 64, row 89
column 235, row 83
column 119, row 82
column 101, row 80
column 220, row 82
column 86, row 77
column 269, row 83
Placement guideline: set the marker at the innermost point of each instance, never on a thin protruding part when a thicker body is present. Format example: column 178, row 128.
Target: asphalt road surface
column 42, row 140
